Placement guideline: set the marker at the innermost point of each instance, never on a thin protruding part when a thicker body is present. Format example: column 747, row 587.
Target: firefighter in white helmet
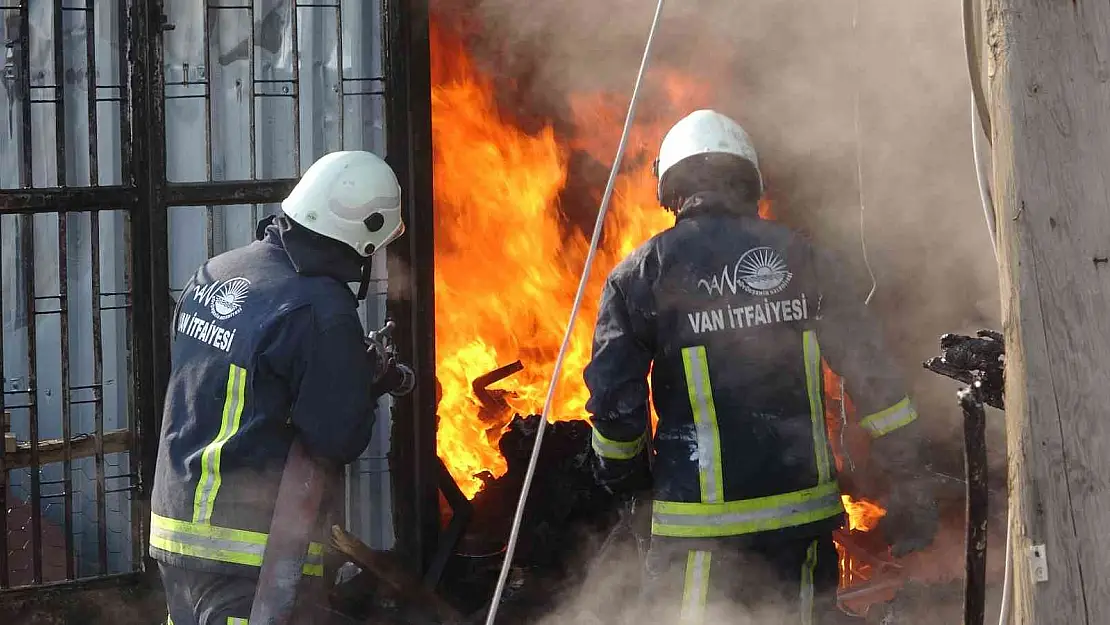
column 267, row 346
column 732, row 315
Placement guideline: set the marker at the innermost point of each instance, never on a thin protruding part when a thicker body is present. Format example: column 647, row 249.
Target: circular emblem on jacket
column 228, row 300
column 762, row 271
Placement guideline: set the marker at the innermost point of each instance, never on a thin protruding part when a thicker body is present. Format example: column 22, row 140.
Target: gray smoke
column 791, row 72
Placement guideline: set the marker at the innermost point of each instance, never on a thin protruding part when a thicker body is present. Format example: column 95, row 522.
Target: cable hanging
column 514, row 533
column 859, row 157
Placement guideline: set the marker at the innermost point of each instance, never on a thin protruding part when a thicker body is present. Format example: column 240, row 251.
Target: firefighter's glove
column 622, row 478
column 390, row 375
column 911, row 520
column 398, row 379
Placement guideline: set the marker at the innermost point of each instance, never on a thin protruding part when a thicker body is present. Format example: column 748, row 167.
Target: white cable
column 859, row 159
column 1006, row 604
column 981, row 178
column 514, row 534
column 992, row 231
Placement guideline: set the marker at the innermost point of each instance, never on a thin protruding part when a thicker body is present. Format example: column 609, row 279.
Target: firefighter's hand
column 398, row 379
column 911, row 521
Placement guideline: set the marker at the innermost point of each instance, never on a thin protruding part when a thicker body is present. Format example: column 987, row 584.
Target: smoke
column 609, row 592
column 792, row 73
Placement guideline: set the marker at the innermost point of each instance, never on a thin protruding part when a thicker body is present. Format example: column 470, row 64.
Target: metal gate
column 140, row 137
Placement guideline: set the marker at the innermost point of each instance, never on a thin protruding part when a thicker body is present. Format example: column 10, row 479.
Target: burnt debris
column 977, row 361
column 557, row 534
column 556, row 529
column 571, row 497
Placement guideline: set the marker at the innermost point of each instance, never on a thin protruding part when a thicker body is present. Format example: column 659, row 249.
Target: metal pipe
column 27, row 249
column 91, row 103
column 409, row 152
column 62, row 179
column 28, row 262
column 98, row 393
column 95, row 302
column 210, row 216
column 4, row 425
column 340, row 81
column 975, row 464
column 295, row 66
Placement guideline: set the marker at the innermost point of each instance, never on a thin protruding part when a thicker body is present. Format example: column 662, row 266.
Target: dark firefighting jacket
column 732, row 315
column 267, row 345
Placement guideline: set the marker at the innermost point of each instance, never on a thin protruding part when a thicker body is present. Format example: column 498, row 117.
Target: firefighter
column 731, row 316
column 267, row 346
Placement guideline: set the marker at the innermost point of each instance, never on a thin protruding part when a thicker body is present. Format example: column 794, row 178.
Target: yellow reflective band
column 811, row 352
column 710, row 475
column 695, row 590
column 711, row 520
column 169, row 620
column 221, row 544
column 234, row 620
column 886, row 421
column 616, row 450
column 809, row 567
column 210, row 479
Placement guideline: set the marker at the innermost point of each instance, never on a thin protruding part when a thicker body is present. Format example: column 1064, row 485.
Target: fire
column 863, row 515
column 507, row 261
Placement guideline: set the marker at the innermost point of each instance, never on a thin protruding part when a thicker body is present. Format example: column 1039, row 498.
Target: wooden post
column 1050, row 108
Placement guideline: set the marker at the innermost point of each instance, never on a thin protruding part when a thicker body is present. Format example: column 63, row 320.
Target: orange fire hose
column 296, row 513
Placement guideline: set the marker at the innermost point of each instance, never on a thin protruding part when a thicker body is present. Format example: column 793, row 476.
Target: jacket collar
column 310, row 253
column 709, row 203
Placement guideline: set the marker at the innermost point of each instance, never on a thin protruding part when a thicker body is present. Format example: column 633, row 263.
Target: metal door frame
column 147, row 196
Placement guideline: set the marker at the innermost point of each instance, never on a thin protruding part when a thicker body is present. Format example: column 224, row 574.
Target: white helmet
column 352, row 197
column 704, row 132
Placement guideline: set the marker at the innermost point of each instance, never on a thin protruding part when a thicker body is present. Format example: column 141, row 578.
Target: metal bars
column 65, row 303
column 100, row 148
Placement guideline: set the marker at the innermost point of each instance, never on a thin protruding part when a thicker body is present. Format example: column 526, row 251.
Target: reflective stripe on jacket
column 731, row 315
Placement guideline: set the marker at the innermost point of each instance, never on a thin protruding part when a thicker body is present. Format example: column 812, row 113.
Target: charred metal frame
column 417, row 468
column 63, row 201
column 146, row 196
column 979, row 362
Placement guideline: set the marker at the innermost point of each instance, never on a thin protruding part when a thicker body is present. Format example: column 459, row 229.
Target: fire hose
column 300, row 497
column 514, row 533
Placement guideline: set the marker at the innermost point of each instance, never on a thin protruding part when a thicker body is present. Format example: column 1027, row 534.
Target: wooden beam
column 1050, row 91
column 384, row 567
column 53, row 450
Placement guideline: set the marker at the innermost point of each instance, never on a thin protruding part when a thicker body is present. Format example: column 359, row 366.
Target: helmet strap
column 364, row 282
column 260, row 229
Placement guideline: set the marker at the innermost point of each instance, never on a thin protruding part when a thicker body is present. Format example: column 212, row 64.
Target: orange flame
column 863, row 515
column 507, row 263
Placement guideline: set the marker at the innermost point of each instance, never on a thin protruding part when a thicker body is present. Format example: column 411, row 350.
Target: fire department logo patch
column 762, row 271
column 228, row 300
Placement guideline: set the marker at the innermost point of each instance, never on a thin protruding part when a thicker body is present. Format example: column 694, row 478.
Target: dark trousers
column 196, row 598
column 732, row 581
